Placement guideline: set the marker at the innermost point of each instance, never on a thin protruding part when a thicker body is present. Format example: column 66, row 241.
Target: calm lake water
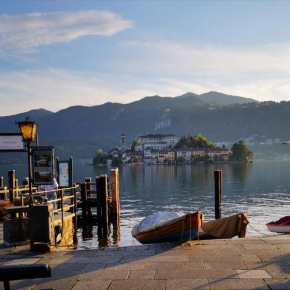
column 261, row 190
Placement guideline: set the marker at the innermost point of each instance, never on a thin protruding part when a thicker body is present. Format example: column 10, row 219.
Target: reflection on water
column 259, row 189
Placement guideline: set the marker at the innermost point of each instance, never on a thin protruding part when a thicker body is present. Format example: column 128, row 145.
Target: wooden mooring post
column 115, row 191
column 218, row 192
column 84, row 200
column 1, row 181
column 104, row 201
column 11, row 184
column 88, row 182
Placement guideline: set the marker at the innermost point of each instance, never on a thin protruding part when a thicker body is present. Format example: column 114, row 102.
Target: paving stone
column 21, row 284
column 251, row 274
column 174, row 266
column 105, row 275
column 68, row 267
column 27, row 261
column 92, row 285
column 259, row 246
column 278, row 284
column 142, row 275
column 159, row 258
column 187, row 284
column 135, row 265
column 198, row 274
column 250, row 258
column 257, row 284
column 225, row 265
column 126, row 285
column 60, row 284
column 14, row 256
column 154, row 285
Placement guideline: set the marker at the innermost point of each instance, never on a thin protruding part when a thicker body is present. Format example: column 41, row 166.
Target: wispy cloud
column 24, row 33
column 212, row 61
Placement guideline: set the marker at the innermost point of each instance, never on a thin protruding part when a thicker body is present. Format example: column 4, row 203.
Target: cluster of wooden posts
column 13, row 189
column 100, row 200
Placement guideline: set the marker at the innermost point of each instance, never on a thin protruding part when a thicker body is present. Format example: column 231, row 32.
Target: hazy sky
column 56, row 54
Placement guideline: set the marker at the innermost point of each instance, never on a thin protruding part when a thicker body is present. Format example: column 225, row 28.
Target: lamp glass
column 28, row 130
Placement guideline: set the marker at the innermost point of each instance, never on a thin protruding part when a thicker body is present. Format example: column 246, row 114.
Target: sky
column 57, row 54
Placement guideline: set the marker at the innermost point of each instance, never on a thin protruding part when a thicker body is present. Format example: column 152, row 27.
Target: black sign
column 42, row 166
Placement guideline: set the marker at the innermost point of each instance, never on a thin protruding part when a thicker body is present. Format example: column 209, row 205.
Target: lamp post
column 28, row 130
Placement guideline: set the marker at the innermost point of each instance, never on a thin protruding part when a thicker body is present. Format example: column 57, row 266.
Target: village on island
column 170, row 149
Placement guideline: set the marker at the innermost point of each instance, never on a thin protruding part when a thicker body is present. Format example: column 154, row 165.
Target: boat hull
column 281, row 226
column 181, row 230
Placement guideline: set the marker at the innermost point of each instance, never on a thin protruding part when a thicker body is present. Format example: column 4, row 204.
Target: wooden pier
column 97, row 200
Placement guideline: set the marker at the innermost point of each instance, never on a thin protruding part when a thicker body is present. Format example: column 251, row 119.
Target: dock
column 249, row 263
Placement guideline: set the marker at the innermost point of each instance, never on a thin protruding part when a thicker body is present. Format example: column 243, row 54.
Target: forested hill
column 79, row 131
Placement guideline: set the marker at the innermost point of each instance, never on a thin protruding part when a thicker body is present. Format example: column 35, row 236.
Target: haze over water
column 261, row 190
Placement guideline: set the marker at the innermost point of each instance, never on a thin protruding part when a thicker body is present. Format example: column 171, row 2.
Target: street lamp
column 28, row 130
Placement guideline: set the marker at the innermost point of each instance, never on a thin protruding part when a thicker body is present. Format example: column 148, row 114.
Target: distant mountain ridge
column 79, row 131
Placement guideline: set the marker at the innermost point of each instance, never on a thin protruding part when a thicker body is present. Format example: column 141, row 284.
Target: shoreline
column 249, row 263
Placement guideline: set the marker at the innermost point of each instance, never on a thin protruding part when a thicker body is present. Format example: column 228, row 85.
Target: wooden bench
column 22, row 272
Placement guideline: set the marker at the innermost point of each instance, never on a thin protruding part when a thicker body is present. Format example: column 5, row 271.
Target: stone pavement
column 254, row 263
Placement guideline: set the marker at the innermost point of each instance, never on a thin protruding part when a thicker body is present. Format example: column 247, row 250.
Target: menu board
column 64, row 170
column 63, row 174
column 42, row 166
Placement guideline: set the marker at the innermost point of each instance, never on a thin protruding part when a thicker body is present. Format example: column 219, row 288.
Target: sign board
column 42, row 166
column 11, row 142
column 65, row 173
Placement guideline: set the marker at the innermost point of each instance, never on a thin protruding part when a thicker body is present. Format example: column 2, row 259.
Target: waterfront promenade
column 254, row 263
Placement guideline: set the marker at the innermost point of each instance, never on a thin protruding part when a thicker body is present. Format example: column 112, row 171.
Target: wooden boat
column 177, row 230
column 190, row 227
column 281, row 226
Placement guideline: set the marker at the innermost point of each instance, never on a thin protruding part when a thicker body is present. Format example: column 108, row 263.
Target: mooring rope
column 258, row 231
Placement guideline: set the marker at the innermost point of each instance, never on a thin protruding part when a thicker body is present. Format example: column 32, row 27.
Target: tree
column 180, row 159
column 116, row 162
column 100, row 157
column 135, row 143
column 198, row 141
column 241, row 152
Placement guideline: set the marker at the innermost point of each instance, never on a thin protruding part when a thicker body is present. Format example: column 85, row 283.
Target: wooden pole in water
column 25, row 181
column 11, row 184
column 218, row 192
column 88, row 181
column 16, row 187
column 84, row 200
column 104, row 204
column 115, row 191
column 99, row 197
column 75, row 206
column 1, row 181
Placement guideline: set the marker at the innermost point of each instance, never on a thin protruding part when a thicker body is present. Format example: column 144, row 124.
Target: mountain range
column 79, row 131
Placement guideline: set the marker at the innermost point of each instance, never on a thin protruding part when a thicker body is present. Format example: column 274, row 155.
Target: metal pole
column 218, row 193
column 30, row 196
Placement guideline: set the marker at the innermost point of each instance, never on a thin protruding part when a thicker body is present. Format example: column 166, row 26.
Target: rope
column 258, row 230
column 190, row 242
column 182, row 229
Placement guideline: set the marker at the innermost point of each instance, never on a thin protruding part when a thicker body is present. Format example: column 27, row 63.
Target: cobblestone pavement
column 254, row 263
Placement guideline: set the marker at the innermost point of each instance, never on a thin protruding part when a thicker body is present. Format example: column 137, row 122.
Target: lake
column 259, row 189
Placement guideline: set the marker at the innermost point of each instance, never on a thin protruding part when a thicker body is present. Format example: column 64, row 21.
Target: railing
column 66, row 201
